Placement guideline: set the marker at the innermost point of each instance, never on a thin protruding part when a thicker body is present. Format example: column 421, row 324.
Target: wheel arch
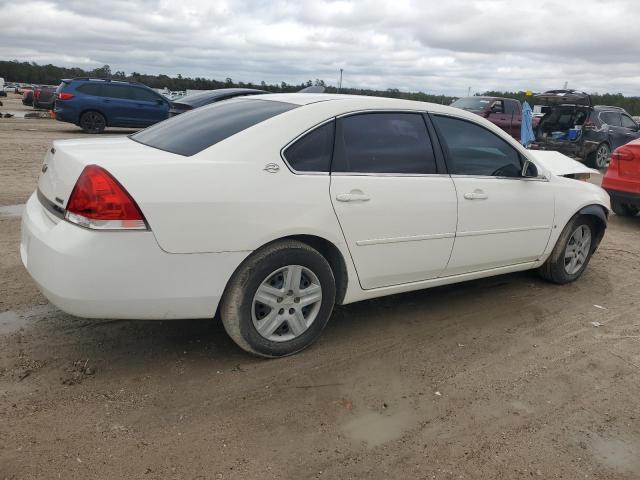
column 600, row 215
column 93, row 109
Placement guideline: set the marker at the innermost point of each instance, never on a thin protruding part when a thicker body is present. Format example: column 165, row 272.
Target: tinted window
column 144, row 95
column 195, row 130
column 474, row 150
column 312, row 153
column 512, row 107
column 118, row 91
column 627, row 122
column 610, row 118
column 383, row 143
column 90, row 89
column 497, row 107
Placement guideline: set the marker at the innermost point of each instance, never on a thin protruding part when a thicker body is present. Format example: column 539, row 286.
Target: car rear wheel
column 279, row 300
column 624, row 209
column 572, row 252
column 600, row 157
column 93, row 122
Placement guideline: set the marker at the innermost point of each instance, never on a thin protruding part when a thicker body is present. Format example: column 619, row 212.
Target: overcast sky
column 442, row 46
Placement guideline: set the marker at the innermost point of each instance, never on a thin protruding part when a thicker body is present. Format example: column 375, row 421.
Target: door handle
column 476, row 195
column 353, row 196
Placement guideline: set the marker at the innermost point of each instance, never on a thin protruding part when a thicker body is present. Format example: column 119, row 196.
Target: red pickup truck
column 504, row 112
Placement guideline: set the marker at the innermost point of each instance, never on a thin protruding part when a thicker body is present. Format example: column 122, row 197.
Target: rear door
column 396, row 208
column 499, row 116
column 503, row 219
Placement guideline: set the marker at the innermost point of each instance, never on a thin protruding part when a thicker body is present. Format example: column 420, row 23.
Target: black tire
column 93, row 122
column 624, row 209
column 553, row 270
column 599, row 158
column 236, row 307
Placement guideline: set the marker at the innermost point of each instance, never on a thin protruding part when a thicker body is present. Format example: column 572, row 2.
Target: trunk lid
column 565, row 97
column 66, row 159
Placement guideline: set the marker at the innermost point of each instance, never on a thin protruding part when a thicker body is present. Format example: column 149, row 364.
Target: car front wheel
column 279, row 300
column 572, row 252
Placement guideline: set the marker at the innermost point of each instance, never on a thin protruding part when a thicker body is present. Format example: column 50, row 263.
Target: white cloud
column 432, row 46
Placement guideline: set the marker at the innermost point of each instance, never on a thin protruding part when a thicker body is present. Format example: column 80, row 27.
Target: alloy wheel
column 93, row 122
column 577, row 249
column 602, row 155
column 286, row 303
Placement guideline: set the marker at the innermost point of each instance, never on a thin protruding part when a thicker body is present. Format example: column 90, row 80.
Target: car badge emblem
column 272, row 168
column 44, row 167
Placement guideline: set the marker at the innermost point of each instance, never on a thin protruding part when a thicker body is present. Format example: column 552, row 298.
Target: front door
column 503, row 218
column 396, row 210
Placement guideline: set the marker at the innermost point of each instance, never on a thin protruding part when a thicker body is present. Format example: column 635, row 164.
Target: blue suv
column 94, row 104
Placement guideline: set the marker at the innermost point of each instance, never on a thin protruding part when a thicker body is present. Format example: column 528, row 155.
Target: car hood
column 559, row 164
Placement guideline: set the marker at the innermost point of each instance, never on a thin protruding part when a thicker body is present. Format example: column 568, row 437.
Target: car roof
column 201, row 98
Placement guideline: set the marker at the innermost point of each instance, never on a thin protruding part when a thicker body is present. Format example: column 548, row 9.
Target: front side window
column 144, row 95
column 383, row 143
column 312, row 152
column 474, row 150
column 627, row 122
column 193, row 131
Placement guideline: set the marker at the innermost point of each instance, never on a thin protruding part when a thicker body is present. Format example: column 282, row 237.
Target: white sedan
column 268, row 211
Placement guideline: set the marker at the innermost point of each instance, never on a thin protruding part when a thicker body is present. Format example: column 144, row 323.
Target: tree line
column 31, row 72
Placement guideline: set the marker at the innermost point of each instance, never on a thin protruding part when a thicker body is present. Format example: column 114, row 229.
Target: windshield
column 472, row 103
column 191, row 132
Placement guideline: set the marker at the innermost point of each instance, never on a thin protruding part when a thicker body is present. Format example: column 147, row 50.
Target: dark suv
column 94, row 104
column 575, row 127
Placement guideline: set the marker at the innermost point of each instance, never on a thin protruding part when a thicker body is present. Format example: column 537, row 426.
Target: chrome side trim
column 51, row 207
column 490, row 177
column 369, row 174
column 414, row 238
column 502, row 230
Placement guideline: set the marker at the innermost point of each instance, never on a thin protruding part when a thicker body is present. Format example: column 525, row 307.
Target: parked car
column 27, row 97
column 195, row 100
column 44, row 97
column 504, row 112
column 575, row 127
column 95, row 104
column 21, row 88
column 270, row 209
column 622, row 179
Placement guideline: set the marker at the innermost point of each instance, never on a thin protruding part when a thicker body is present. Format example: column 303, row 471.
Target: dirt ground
column 503, row 378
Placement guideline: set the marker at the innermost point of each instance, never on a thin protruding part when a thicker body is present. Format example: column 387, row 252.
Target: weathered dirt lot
column 502, row 378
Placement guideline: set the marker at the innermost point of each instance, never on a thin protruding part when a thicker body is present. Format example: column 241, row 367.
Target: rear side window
column 383, row 143
column 610, row 118
column 511, row 107
column 312, row 152
column 91, row 89
column 474, row 150
column 191, row 132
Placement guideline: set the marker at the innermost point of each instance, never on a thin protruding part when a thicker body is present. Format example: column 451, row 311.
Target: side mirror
column 529, row 170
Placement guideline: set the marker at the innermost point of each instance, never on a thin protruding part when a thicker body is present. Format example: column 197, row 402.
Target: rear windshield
column 472, row 103
column 191, row 132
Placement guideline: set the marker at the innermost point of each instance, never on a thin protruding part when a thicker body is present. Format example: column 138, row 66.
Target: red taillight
column 98, row 201
column 37, row 94
column 589, row 126
column 623, row 154
column 65, row 96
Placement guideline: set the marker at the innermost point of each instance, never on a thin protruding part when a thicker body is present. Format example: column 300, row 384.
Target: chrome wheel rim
column 602, row 156
column 577, row 250
column 286, row 303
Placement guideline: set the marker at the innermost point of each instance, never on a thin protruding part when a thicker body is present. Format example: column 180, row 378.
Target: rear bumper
column 631, row 198
column 119, row 274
